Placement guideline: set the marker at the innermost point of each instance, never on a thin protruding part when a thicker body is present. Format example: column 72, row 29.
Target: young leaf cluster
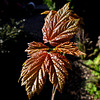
column 59, row 27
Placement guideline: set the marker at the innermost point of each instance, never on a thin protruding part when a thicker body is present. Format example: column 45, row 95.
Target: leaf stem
column 53, row 92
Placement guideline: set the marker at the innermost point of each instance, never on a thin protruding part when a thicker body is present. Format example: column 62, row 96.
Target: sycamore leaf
column 35, row 46
column 35, row 70
column 56, row 65
column 69, row 48
column 33, row 73
column 59, row 26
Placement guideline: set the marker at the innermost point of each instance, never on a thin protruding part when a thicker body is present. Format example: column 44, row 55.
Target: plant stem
column 53, row 92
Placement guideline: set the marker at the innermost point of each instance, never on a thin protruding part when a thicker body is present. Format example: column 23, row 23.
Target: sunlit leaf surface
column 35, row 70
column 59, row 26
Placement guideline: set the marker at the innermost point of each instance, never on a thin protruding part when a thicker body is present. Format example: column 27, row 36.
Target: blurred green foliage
column 8, row 33
column 93, row 83
column 50, row 4
column 55, row 5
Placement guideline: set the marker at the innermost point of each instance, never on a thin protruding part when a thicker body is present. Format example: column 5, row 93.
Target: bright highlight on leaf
column 59, row 27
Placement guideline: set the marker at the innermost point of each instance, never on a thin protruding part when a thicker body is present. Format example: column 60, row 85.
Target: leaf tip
column 19, row 78
column 23, row 63
column 45, row 12
column 68, row 3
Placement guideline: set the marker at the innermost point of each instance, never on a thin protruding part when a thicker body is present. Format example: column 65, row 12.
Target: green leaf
column 98, row 92
column 89, row 85
column 89, row 62
column 96, row 73
column 97, row 60
column 94, row 88
column 91, row 92
column 95, row 97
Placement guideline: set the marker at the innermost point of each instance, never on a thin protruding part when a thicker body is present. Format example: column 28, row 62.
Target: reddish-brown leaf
column 33, row 73
column 69, row 48
column 40, row 63
column 59, row 26
column 35, row 46
column 56, row 65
